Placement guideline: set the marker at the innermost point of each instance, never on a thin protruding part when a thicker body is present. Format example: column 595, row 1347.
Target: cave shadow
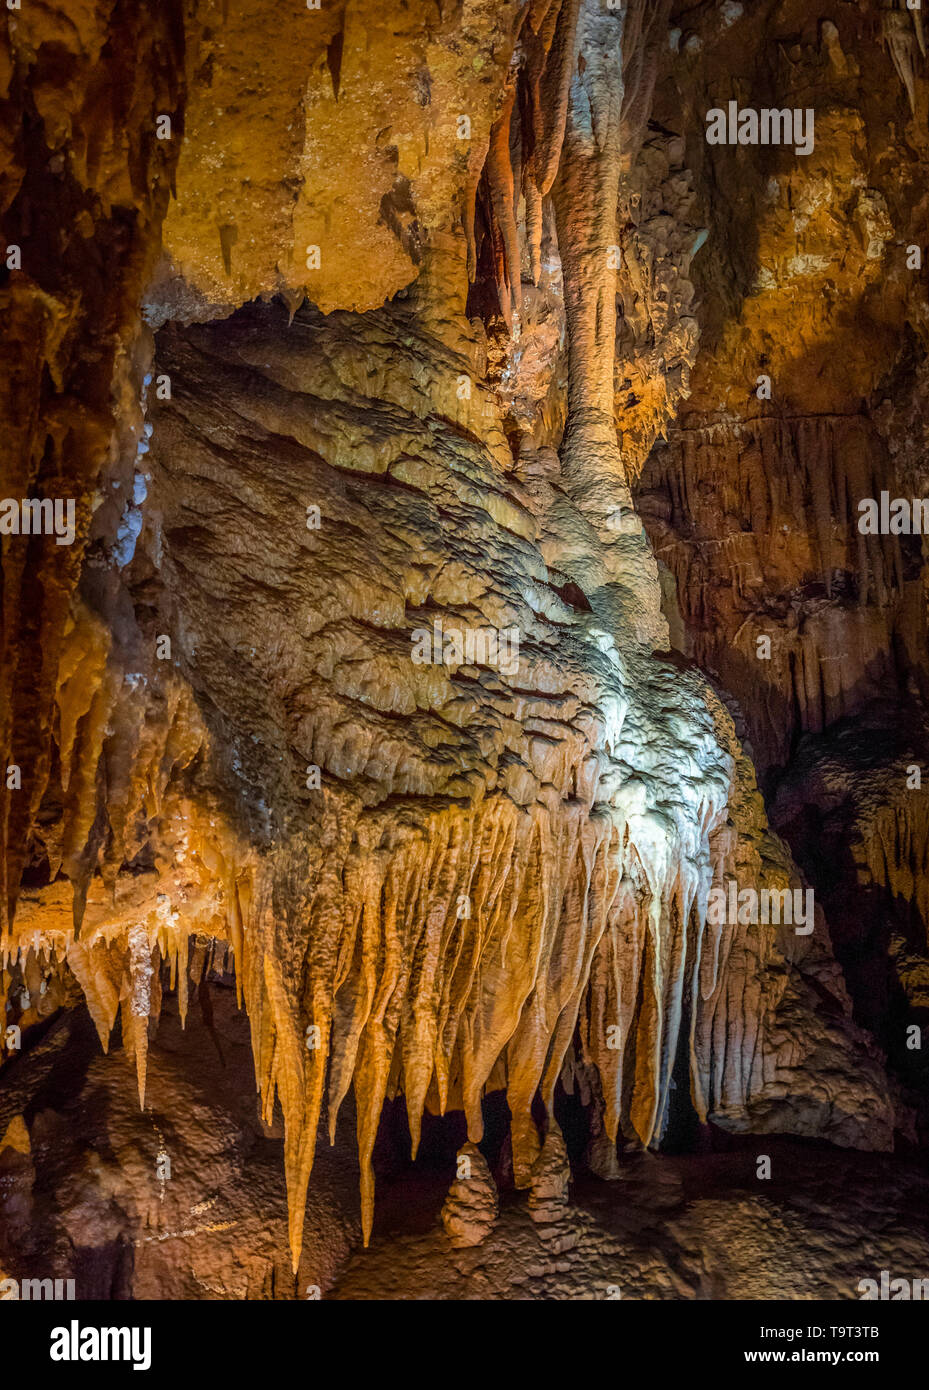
column 864, row 921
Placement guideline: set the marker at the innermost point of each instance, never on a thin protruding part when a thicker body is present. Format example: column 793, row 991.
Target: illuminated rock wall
column 254, row 732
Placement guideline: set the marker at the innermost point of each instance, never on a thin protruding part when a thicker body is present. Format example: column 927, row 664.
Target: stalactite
column 71, row 319
column 496, row 867
column 855, row 782
column 624, row 585
column 500, row 184
column 539, row 79
column 645, row 34
column 426, row 984
column 548, row 42
column 902, row 40
column 810, row 535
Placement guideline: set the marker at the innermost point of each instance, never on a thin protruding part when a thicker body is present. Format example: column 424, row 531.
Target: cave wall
column 501, row 868
column 808, row 279
column 753, row 503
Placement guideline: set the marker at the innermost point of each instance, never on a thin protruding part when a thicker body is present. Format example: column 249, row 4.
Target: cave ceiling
column 463, row 663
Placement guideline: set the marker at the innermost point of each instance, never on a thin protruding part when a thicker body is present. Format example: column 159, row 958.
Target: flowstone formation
column 806, row 417
column 392, row 687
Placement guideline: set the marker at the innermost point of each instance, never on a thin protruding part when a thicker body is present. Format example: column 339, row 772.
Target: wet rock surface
column 396, row 715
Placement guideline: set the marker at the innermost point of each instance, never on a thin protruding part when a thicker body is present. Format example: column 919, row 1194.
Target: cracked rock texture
column 440, row 325
column 808, row 279
column 470, row 1209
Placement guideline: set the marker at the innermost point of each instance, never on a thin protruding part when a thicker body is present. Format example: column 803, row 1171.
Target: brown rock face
column 82, row 88
column 354, row 136
column 390, row 719
column 806, row 287
column 804, row 407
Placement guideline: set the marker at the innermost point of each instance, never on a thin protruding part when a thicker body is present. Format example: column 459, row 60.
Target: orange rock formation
column 394, row 329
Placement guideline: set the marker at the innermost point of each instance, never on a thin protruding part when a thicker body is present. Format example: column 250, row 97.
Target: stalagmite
column 470, row 1209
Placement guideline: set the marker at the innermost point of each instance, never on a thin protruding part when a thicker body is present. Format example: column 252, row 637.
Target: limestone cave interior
column 463, row 824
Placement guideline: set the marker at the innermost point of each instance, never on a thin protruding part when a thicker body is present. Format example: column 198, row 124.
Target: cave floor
column 673, row 1227
column 81, row 1196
